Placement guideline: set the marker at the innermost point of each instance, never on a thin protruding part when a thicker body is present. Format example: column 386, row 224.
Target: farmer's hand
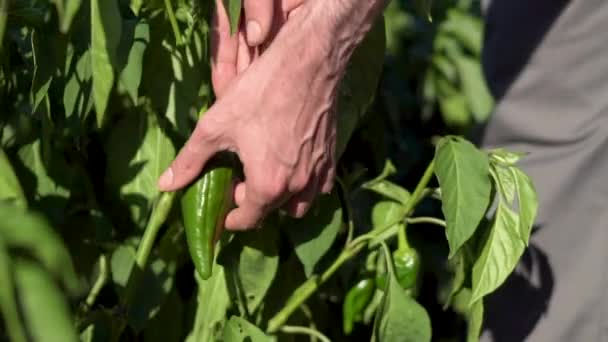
column 279, row 115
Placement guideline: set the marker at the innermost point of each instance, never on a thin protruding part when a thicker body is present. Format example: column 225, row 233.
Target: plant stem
column 101, row 280
column 419, row 192
column 157, row 219
column 173, row 21
column 159, row 215
column 305, row 331
column 302, row 293
column 429, row 220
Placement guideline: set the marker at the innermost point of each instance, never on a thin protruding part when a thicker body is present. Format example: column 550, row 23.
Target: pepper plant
column 98, row 95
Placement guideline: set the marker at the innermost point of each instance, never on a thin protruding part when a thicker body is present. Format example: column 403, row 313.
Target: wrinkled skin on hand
column 277, row 92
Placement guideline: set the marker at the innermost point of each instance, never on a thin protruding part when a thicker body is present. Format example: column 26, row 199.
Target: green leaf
column 462, row 171
column 45, row 309
column 383, row 187
column 505, row 182
column 139, row 152
column 358, row 87
column 474, row 87
column 314, row 234
column 400, row 317
column 28, row 231
column 473, row 314
column 466, row 28
column 66, row 9
column 528, row 203
column 504, row 157
column 121, row 263
column 10, row 189
column 500, row 254
column 8, row 304
column 250, row 263
column 149, row 299
column 458, row 267
column 213, row 302
column 31, row 157
column 233, row 9
column 77, row 94
column 454, row 110
column 389, row 190
column 130, row 75
column 106, row 26
column 239, row 330
column 48, row 50
column 385, row 213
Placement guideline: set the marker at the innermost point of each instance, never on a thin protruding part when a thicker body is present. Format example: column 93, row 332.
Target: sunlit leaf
column 463, row 175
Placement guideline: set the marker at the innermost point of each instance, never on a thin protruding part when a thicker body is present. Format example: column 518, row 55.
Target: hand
column 232, row 54
column 278, row 115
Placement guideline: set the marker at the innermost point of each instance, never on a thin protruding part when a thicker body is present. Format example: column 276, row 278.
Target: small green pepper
column 205, row 204
column 407, row 269
column 357, row 298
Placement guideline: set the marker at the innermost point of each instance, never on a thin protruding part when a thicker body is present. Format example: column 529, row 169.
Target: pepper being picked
column 204, row 207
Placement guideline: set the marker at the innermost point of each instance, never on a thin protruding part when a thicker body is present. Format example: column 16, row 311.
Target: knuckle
column 298, row 184
column 273, row 189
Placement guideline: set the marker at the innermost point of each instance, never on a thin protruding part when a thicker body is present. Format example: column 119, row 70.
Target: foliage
column 99, row 95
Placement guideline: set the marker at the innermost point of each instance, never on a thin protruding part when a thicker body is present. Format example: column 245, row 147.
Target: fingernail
column 254, row 32
column 166, row 180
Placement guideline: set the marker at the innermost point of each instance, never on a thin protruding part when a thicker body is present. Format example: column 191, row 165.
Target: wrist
column 341, row 25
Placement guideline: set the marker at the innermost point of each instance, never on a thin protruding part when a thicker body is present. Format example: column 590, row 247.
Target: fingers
column 224, row 50
column 299, row 204
column 202, row 145
column 290, row 5
column 258, row 20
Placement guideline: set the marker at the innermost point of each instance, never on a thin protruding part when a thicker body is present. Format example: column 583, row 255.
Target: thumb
column 258, row 20
column 202, row 145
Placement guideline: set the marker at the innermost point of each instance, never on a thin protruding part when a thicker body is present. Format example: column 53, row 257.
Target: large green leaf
column 504, row 180
column 464, row 178
column 474, row 87
column 45, row 309
column 10, row 189
column 358, row 88
column 314, row 234
column 138, row 151
column 500, row 254
column 239, row 330
column 106, row 27
column 400, row 318
column 77, row 94
column 250, row 263
column 213, row 302
column 48, row 50
column 8, row 304
column 66, row 9
column 31, row 157
column 528, row 203
column 30, row 232
column 133, row 47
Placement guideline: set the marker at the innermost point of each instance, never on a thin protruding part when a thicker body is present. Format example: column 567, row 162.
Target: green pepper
column 407, row 269
column 204, row 207
column 355, row 302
